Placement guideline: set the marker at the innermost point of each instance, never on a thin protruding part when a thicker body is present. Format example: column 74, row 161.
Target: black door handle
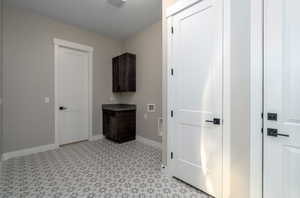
column 274, row 133
column 216, row 121
column 62, row 108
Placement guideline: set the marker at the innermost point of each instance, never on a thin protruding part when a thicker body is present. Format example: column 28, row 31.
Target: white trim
column 149, row 142
column 226, row 163
column 91, row 88
column 96, row 137
column 164, row 86
column 29, row 151
column 170, row 99
column 179, row 6
column 39, row 149
column 72, row 45
column 256, row 99
column 62, row 43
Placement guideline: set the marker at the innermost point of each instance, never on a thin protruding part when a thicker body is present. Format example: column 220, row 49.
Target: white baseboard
column 29, row 151
column 149, row 142
column 49, row 147
column 96, row 137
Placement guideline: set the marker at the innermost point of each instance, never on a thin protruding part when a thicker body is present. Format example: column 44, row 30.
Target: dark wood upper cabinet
column 124, row 73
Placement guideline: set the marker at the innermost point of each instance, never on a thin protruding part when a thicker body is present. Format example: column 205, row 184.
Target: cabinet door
column 107, row 122
column 126, row 125
column 131, row 72
column 124, row 73
column 123, row 70
column 116, row 86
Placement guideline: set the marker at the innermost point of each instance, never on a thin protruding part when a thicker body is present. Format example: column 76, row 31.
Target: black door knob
column 62, row 108
column 274, row 133
column 216, row 121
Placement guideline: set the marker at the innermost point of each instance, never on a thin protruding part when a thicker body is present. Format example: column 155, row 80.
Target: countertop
column 119, row 107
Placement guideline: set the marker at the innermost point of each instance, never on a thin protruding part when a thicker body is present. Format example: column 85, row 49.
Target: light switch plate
column 47, row 100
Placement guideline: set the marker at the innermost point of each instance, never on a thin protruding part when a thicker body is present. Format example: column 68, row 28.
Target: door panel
column 73, row 94
column 282, row 96
column 197, row 60
column 291, row 176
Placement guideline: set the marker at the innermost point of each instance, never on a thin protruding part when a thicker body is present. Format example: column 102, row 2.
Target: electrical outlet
column 151, row 108
column 47, row 100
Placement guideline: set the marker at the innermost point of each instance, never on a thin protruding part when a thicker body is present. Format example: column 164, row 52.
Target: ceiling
column 107, row 17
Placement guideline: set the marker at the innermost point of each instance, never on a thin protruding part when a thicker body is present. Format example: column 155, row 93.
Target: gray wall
column 29, row 76
column 1, row 82
column 147, row 45
column 240, row 112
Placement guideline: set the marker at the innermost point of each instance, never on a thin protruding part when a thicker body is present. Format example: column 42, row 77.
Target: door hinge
column 172, row 114
column 262, row 115
column 262, row 130
column 172, row 155
column 172, row 72
column 172, row 30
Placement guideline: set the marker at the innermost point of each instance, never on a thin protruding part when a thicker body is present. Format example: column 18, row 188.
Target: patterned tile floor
column 91, row 169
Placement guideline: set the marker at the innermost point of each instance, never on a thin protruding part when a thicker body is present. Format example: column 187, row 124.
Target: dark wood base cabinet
column 119, row 122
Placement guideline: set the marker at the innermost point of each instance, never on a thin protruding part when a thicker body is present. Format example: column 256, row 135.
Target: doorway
column 73, row 92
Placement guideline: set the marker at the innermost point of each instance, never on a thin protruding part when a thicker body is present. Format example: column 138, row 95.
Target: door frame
column 76, row 46
column 256, row 98
column 226, row 155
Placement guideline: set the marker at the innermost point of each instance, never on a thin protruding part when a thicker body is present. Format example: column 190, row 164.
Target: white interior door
column 197, row 96
column 282, row 97
column 73, row 95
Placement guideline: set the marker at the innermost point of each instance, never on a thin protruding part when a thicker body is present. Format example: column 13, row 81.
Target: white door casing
column 282, row 96
column 73, row 90
column 195, row 91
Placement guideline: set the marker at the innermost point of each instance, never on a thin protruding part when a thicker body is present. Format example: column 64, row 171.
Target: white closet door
column 282, row 98
column 197, row 92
